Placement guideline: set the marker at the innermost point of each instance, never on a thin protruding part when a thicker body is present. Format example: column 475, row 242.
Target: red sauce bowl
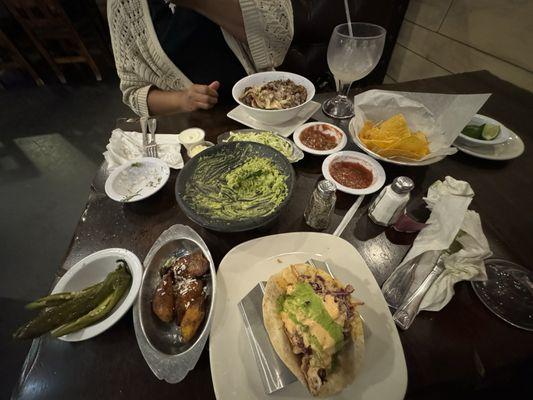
column 354, row 172
column 316, row 137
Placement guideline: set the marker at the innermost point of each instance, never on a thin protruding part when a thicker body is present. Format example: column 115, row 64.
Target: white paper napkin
column 124, row 146
column 450, row 220
column 440, row 116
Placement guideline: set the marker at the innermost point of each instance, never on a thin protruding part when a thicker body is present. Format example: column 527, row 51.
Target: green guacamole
column 226, row 190
column 303, row 303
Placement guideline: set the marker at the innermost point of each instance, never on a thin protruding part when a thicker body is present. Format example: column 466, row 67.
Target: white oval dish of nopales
column 93, row 269
column 378, row 173
column 341, row 139
column 137, row 179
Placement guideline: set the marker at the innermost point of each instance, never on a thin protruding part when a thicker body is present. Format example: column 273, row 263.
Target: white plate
column 285, row 129
column 378, row 173
column 479, row 119
column 137, row 179
column 512, row 148
column 234, row 370
column 341, row 139
column 93, row 269
column 413, row 163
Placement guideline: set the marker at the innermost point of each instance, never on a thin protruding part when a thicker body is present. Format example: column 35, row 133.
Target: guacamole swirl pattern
column 236, row 186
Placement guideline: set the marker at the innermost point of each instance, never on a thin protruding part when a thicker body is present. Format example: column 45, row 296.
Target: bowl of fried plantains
column 173, row 312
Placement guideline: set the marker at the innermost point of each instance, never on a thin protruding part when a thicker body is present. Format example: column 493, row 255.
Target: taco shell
column 350, row 356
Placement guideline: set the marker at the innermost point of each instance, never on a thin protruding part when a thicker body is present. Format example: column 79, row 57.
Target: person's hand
column 199, row 97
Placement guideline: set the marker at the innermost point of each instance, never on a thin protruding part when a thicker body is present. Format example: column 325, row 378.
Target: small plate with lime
column 483, row 131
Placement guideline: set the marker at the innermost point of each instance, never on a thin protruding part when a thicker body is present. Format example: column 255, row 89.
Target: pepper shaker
column 321, row 204
column 391, row 202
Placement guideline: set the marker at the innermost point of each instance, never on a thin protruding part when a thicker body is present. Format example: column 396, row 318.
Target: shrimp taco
column 314, row 327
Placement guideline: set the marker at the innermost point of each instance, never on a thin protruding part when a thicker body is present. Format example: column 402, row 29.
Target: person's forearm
column 163, row 102
column 226, row 13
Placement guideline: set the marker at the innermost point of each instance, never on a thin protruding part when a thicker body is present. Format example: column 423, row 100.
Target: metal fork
column 151, row 147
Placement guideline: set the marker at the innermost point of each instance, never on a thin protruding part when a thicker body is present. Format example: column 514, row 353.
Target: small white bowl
column 190, row 137
column 93, row 269
column 341, row 139
column 378, row 173
column 479, row 119
column 137, row 179
column 272, row 117
column 204, row 143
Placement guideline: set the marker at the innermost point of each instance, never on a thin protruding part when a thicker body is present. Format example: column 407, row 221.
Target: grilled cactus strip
column 100, row 312
column 59, row 298
column 53, row 317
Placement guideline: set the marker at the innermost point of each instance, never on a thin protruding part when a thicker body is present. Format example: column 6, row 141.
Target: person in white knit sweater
column 188, row 56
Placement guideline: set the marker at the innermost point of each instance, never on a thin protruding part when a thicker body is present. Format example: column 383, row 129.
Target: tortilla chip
column 393, row 138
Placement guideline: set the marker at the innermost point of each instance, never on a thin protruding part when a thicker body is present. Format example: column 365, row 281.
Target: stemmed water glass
column 352, row 55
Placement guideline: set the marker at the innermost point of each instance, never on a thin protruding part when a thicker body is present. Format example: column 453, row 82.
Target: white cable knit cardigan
column 141, row 62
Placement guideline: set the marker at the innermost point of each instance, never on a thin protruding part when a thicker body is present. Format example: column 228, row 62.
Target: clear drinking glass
column 350, row 58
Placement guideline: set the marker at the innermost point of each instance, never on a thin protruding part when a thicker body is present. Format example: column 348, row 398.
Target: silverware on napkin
column 408, row 310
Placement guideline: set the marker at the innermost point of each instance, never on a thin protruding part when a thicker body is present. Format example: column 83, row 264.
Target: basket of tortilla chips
column 410, row 128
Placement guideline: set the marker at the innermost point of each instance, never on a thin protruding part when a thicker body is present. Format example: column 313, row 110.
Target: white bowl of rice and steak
column 273, row 97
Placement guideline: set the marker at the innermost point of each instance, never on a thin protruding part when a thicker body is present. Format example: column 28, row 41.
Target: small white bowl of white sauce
column 191, row 137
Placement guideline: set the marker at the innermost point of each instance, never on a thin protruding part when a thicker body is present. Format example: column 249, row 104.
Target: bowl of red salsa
column 354, row 172
column 320, row 138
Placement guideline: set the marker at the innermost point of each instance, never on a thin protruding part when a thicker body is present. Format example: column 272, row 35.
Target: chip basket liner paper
column 440, row 116
column 174, row 368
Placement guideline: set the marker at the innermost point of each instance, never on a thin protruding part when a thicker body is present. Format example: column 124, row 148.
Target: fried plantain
column 187, row 292
column 163, row 300
column 193, row 317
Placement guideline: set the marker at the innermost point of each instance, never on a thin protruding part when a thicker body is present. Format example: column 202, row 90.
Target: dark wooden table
column 461, row 351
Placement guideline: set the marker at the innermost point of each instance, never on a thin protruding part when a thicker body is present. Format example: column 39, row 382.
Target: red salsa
column 351, row 174
column 319, row 137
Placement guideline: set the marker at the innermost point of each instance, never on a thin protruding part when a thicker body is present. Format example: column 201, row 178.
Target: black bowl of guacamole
column 235, row 187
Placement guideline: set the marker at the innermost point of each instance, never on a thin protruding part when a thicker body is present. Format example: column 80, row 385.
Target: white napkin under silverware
column 450, row 221
column 125, row 145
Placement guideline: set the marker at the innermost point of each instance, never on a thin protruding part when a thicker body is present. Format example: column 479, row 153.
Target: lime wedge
column 473, row 131
column 490, row 132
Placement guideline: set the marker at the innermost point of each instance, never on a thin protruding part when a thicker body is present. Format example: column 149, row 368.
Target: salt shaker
column 391, row 202
column 321, row 203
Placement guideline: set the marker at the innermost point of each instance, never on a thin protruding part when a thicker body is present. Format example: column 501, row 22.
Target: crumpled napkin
column 450, row 221
column 124, row 146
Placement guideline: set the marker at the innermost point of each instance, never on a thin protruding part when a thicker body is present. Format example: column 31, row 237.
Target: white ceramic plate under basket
column 233, row 367
column 378, row 173
column 137, row 179
column 412, row 163
column 93, row 269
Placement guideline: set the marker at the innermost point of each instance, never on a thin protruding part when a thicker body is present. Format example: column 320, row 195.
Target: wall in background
column 441, row 37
